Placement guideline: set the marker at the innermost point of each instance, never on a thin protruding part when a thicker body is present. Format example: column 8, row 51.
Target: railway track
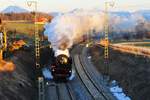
column 96, row 77
column 58, row 91
column 92, row 87
column 85, row 86
column 93, row 91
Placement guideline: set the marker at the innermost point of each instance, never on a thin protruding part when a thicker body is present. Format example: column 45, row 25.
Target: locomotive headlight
column 70, row 71
column 64, row 60
column 53, row 70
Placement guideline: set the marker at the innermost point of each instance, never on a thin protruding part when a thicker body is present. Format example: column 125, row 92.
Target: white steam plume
column 125, row 23
column 66, row 28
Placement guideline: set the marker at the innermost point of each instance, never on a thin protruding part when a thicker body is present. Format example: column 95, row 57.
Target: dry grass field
column 22, row 27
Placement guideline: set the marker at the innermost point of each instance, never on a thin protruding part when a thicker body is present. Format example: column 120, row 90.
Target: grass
column 134, row 40
column 140, row 43
column 143, row 45
column 22, row 27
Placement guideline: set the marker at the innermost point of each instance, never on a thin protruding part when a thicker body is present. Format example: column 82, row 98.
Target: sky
column 68, row 5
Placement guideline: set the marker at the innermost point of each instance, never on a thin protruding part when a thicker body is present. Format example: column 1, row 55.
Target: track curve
column 85, row 85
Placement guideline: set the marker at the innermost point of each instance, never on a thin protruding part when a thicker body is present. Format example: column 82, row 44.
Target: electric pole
column 106, row 37
column 36, row 35
column 41, row 95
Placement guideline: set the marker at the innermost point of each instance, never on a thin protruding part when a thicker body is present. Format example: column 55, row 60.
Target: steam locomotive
column 61, row 66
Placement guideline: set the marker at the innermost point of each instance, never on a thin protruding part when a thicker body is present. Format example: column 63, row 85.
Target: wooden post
column 1, row 55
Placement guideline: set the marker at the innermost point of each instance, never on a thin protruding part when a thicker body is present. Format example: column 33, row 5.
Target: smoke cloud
column 126, row 23
column 65, row 29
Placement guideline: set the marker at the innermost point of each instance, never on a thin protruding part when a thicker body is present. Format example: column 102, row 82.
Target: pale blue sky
column 67, row 5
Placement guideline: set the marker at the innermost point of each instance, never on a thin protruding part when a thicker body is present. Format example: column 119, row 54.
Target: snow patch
column 47, row 73
column 118, row 91
column 72, row 75
column 89, row 57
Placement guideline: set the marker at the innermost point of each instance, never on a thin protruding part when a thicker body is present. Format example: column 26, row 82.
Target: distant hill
column 14, row 9
column 54, row 14
column 144, row 11
column 145, row 14
column 122, row 13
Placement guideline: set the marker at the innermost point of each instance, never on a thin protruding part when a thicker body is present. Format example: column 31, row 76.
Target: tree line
column 23, row 16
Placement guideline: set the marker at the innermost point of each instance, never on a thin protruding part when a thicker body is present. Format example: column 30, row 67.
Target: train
column 60, row 67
